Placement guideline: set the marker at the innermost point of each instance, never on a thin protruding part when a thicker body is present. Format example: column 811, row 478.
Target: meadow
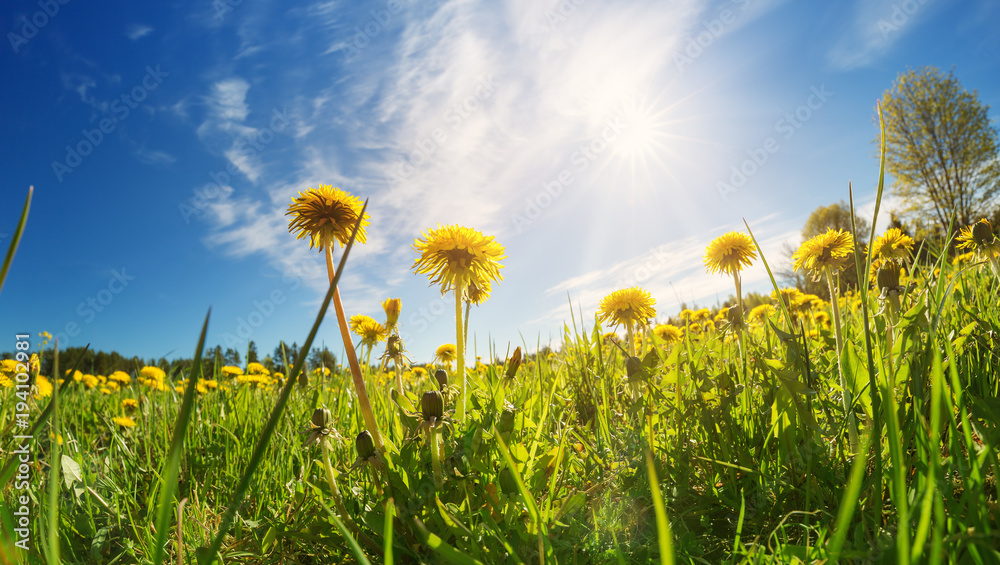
column 722, row 435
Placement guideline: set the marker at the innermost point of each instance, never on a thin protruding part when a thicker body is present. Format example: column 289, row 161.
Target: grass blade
column 17, row 237
column 662, row 524
column 165, row 507
column 850, row 499
column 206, row 556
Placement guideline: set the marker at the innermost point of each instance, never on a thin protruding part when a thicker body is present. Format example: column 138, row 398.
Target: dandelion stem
column 339, row 503
column 459, row 337
column 435, row 440
column 352, row 358
column 852, row 428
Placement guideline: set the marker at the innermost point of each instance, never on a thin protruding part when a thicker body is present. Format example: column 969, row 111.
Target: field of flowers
column 861, row 427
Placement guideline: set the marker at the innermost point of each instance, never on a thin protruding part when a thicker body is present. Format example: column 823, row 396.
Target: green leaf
column 71, row 471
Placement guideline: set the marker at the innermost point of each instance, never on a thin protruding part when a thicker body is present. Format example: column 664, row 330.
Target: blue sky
column 600, row 142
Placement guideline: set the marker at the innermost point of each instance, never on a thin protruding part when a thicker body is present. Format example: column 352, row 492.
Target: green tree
column 835, row 216
column 940, row 148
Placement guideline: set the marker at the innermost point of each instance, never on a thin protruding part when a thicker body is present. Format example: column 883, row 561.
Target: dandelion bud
column 432, row 405
column 394, row 346
column 515, row 362
column 365, row 445
column 506, row 424
column 441, row 376
column 508, row 484
column 392, row 307
column 321, row 417
column 33, row 365
column 982, row 233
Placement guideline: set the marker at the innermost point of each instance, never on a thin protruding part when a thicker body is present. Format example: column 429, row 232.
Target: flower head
column 231, row 371
column 446, row 352
column 669, row 333
column 326, row 215
column 729, row 253
column 124, row 421
column 478, row 292
column 893, row 244
column 257, row 369
column 979, row 236
column 627, row 306
column 457, row 256
column 152, row 373
column 370, row 331
column 120, row 377
column 43, row 387
column 761, row 313
column 828, row 250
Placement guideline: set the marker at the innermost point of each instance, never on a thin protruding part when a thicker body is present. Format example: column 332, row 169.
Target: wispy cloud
column 155, row 157
column 136, row 31
column 876, row 26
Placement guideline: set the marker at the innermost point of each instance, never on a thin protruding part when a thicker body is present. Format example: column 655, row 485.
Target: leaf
column 71, row 471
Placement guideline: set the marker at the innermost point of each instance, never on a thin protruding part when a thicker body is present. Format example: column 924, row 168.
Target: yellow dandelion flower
column 153, row 373
column 730, row 253
column 669, row 333
column 893, row 244
column 90, row 381
column 34, row 365
column 257, row 369
column 829, row 250
column 610, row 338
column 478, row 293
column 9, row 367
column 326, row 215
column 392, row 307
column 231, row 371
column 446, row 353
column 822, row 318
column 368, row 329
column 419, row 372
column 123, row 421
column 627, row 306
column 454, row 256
column 129, row 404
column 43, row 387
column 977, row 236
column 5, row 381
column 701, row 315
column 121, row 377
column 762, row 312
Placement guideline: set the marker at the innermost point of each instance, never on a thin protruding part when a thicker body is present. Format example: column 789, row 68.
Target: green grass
column 754, row 470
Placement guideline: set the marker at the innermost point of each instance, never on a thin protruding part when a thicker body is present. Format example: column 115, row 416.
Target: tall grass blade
column 662, row 524
column 849, row 501
column 53, row 522
column 206, row 556
column 165, row 506
column 12, row 248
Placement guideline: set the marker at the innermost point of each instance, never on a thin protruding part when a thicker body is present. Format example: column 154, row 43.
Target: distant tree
column 836, row 216
column 232, row 357
column 941, row 148
column 322, row 358
column 283, row 351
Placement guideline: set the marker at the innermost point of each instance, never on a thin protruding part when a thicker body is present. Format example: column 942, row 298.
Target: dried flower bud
column 441, row 376
column 514, row 363
column 394, row 346
column 432, row 405
column 888, row 276
column 365, row 445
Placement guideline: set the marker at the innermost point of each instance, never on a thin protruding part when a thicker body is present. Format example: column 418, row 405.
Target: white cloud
column 155, row 157
column 136, row 31
column 877, row 25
